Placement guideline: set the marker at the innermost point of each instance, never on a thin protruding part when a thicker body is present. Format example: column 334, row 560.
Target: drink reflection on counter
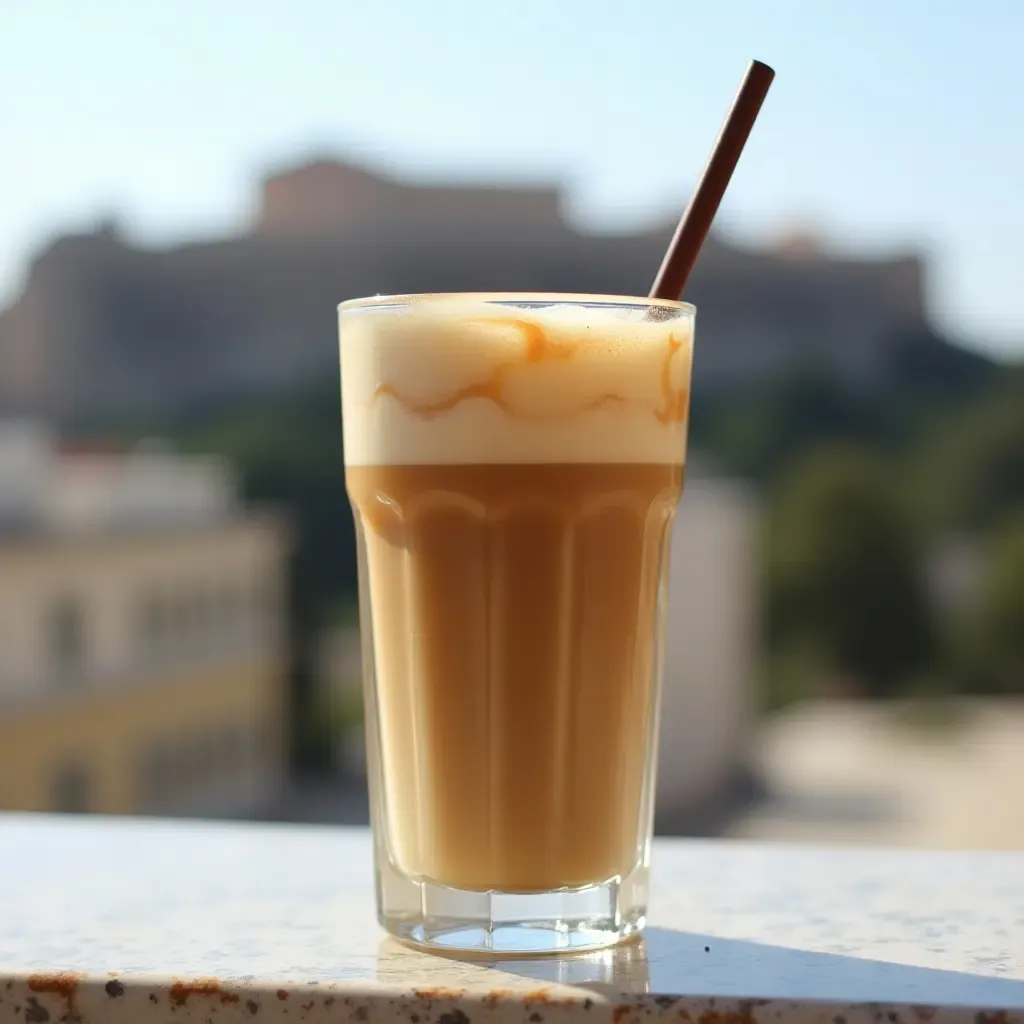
column 606, row 973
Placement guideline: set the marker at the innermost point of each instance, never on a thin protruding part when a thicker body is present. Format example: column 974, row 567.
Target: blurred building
column 141, row 634
column 709, row 720
column 104, row 329
column 907, row 773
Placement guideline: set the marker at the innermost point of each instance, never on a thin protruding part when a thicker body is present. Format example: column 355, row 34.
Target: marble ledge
column 113, row 921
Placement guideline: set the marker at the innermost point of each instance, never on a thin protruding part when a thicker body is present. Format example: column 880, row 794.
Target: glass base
column 501, row 924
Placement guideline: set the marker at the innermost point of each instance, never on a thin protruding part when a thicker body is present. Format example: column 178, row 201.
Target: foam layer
column 450, row 381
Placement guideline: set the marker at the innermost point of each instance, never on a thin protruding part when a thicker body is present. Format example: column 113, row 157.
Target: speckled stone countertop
column 142, row 922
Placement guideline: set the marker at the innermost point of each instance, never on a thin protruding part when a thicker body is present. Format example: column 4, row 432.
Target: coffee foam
column 451, row 381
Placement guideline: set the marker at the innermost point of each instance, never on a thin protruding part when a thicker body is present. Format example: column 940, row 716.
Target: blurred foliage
column 335, row 712
column 996, row 639
column 971, row 471
column 793, row 670
column 757, row 431
column 861, row 490
column 845, row 574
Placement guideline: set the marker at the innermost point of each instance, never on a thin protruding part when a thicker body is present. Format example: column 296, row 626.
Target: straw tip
column 760, row 64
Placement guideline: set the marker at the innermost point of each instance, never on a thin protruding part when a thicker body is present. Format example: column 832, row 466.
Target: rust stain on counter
column 181, row 990
column 63, row 984
column 430, row 994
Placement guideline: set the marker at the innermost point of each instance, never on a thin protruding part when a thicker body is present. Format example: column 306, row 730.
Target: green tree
column 844, row 572
column 756, row 432
column 998, row 636
column 972, row 471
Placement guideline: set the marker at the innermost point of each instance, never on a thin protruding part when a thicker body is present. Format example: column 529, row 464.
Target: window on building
column 149, row 781
column 177, row 623
column 233, row 752
column 162, row 776
column 225, row 620
column 206, row 758
column 150, row 626
column 227, row 769
column 66, row 639
column 207, row 621
column 170, row 624
column 260, row 603
column 236, row 611
column 145, row 797
column 193, row 621
column 200, row 620
column 71, row 789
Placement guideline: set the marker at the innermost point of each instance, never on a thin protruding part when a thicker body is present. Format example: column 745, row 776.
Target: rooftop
column 47, row 486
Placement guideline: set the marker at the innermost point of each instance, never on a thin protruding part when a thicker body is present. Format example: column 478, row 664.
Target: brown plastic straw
column 695, row 223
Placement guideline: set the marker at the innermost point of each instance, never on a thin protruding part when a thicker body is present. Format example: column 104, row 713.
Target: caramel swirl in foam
column 674, row 410
column 539, row 348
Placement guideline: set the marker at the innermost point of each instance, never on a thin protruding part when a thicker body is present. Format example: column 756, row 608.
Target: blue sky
column 892, row 123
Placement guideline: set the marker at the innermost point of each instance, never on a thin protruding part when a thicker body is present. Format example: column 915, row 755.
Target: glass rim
column 512, row 298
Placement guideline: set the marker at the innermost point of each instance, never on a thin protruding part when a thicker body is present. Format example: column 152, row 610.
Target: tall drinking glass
column 514, row 462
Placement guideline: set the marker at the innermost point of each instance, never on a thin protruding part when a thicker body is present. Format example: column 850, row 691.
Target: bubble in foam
column 597, row 314
column 565, row 313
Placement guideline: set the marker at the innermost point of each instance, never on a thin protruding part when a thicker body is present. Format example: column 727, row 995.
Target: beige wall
column 711, row 644
column 235, row 567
